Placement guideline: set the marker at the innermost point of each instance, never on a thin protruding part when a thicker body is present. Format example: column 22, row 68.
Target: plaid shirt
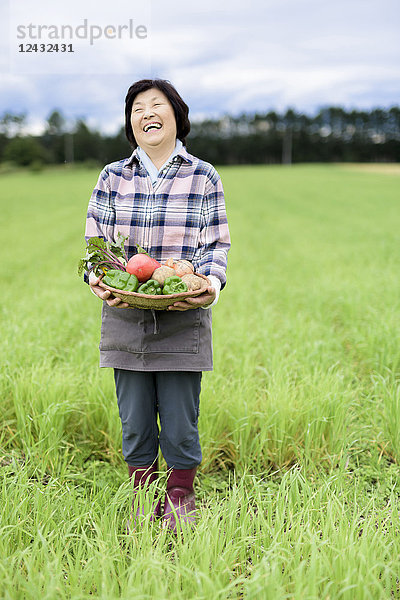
column 182, row 216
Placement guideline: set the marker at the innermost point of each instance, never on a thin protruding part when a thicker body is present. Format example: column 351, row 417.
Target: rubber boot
column 180, row 500
column 142, row 477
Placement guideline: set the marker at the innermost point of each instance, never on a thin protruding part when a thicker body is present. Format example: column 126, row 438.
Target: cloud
column 222, row 57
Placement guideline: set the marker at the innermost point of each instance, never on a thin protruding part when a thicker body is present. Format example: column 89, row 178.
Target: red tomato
column 142, row 265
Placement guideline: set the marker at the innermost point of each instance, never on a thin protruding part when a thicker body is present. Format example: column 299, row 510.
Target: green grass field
column 298, row 491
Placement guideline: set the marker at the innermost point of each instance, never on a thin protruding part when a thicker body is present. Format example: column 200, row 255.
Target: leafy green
column 101, row 255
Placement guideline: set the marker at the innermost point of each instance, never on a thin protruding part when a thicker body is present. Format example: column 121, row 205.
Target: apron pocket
column 175, row 331
column 122, row 329
column 145, row 331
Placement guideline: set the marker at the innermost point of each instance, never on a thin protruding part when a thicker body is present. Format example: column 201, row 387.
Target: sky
column 224, row 57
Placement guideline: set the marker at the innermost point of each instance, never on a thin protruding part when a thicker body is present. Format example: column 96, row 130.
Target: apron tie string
column 155, row 329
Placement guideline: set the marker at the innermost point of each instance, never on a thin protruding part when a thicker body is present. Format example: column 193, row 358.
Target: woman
column 172, row 204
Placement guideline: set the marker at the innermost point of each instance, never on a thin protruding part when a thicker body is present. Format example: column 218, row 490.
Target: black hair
column 181, row 109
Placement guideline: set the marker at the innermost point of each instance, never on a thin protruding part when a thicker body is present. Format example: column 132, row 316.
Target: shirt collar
column 182, row 152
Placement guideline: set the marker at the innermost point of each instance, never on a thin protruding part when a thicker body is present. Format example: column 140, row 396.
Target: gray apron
column 156, row 340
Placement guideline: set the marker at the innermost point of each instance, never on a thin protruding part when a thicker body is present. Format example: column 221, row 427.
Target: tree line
column 333, row 134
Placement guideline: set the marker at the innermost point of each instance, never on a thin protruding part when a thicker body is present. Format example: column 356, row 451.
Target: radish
column 142, row 265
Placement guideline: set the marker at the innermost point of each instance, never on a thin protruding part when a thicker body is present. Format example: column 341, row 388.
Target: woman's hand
column 105, row 294
column 206, row 298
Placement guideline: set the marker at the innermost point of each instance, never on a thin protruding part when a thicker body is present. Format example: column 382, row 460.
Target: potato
column 162, row 273
column 194, row 282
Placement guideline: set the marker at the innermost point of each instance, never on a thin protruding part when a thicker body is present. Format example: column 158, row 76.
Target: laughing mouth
column 152, row 125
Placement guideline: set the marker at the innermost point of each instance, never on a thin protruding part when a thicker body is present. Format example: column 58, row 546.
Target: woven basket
column 148, row 301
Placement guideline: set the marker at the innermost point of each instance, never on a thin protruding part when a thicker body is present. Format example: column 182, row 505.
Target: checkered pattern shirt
column 182, row 216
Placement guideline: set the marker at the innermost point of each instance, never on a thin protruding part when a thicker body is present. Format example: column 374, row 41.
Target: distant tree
column 53, row 137
column 115, row 147
column 88, row 145
column 11, row 124
column 24, row 151
column 331, row 134
column 55, row 123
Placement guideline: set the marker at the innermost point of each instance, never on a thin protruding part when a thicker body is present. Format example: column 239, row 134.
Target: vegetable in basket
column 121, row 280
column 174, row 285
column 150, row 287
column 162, row 273
column 101, row 255
column 142, row 265
column 194, row 282
column 181, row 266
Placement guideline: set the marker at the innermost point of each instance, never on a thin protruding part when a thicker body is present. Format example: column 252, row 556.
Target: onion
column 183, row 267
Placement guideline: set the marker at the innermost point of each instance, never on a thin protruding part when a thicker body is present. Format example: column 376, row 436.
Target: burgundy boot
column 180, row 502
column 142, row 477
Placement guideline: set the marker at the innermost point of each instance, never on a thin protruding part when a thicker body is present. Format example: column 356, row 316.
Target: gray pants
column 175, row 397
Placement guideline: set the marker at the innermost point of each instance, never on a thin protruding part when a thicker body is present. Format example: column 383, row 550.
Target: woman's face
column 153, row 120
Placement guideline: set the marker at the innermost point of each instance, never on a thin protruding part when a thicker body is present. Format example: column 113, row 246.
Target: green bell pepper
column 121, row 280
column 151, row 287
column 174, row 285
